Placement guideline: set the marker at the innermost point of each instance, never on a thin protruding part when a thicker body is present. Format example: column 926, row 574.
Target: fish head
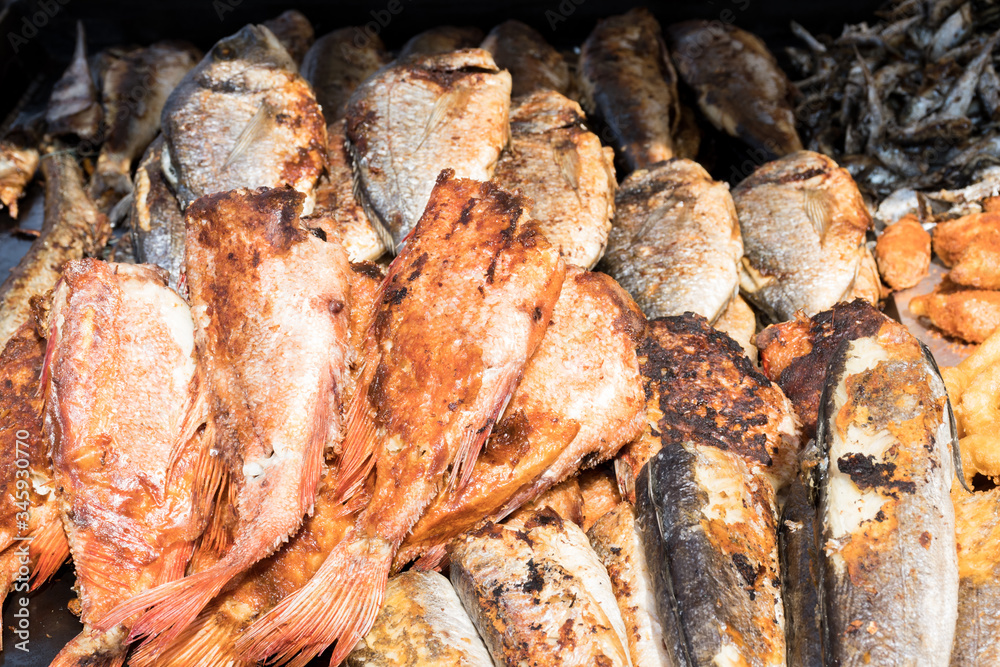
column 253, row 45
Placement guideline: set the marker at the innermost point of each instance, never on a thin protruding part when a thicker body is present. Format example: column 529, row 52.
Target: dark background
column 28, row 72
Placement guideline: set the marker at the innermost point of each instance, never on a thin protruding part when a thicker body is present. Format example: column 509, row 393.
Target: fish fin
column 625, row 477
column 207, row 642
column 217, row 538
column 358, row 456
column 453, row 99
column 50, row 550
column 255, row 128
column 432, row 559
column 569, row 165
column 338, row 605
column 195, row 414
column 312, row 468
column 818, row 209
column 81, row 651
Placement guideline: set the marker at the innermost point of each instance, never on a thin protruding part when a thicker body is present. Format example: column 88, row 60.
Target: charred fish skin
column 422, row 623
column 801, row 586
column 532, row 62
column 335, row 65
column 75, row 104
column 420, row 116
column 890, row 576
column 155, row 219
column 739, row 85
column 266, row 127
column 803, row 222
column 675, row 243
column 628, row 82
column 563, row 168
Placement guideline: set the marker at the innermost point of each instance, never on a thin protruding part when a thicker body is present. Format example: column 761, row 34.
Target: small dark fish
column 989, row 90
column 75, row 104
column 155, row 219
column 335, row 65
column 798, row 545
column 443, row 39
column 294, row 31
column 532, row 62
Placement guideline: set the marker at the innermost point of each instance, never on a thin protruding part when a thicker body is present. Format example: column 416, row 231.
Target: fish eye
column 223, row 52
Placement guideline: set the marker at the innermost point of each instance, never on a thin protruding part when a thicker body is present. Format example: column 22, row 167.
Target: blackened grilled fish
column 294, row 31
column 418, row 117
column 563, row 168
column 629, row 84
column 798, row 544
column 337, row 64
column 443, row 39
column 75, row 104
column 739, row 85
column 243, row 117
column 532, row 62
column 675, row 243
column 155, row 220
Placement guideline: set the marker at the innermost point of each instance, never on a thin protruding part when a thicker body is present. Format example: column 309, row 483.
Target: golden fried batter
column 969, row 314
column 903, row 253
column 979, row 263
column 953, row 237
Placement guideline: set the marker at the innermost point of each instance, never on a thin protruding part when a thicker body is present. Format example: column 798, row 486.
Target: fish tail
column 208, row 642
column 432, row 559
column 92, row 648
column 49, row 549
column 338, row 605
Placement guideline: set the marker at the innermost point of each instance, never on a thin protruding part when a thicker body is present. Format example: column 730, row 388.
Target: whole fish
column 123, row 424
column 135, row 86
column 539, row 595
column 886, row 433
column 422, row 624
column 155, row 219
column 75, row 103
column 337, row 63
column 271, row 323
column 72, row 227
column 294, row 31
column 443, row 39
column 675, row 243
column 977, row 531
column 629, row 84
column 739, row 85
column 563, row 168
column 417, row 117
column 461, row 310
column 265, row 126
column 562, row 417
column 803, row 222
column 18, row 164
column 532, row 62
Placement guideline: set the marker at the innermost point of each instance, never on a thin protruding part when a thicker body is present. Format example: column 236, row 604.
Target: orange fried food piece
column 979, row 264
column 952, row 237
column 599, row 489
column 969, row 314
column 903, row 253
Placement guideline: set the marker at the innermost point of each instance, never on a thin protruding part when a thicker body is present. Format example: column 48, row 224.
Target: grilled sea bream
column 798, row 546
column 335, row 65
column 442, row 39
column 155, row 219
column 74, row 106
column 270, row 306
column 890, row 576
column 265, row 127
column 629, row 84
column 72, row 227
column 803, row 222
column 132, row 118
column 579, row 401
column 739, row 85
column 539, row 595
column 563, row 168
column 675, row 243
column 124, row 410
column 461, row 310
column 417, row 117
column 533, row 64
column 422, row 624
column 294, row 31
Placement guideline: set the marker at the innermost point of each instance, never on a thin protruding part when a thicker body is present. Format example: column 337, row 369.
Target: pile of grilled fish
column 397, row 361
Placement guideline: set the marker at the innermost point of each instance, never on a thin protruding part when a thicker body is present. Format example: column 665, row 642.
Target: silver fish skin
column 532, row 62
column 803, row 222
column 417, row 117
column 675, row 243
column 337, row 63
column 135, row 86
column 422, row 624
column 563, row 168
column 266, row 127
column 155, row 219
column 739, row 85
column 443, row 39
column 628, row 82
column 294, row 31
column 890, row 572
column 75, row 104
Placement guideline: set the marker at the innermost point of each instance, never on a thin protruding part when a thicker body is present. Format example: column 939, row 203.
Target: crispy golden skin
column 952, row 237
column 533, row 64
column 903, row 253
column 969, row 314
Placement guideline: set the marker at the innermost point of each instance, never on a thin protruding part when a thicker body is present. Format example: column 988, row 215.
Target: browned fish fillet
column 564, row 499
column 294, row 31
column 338, row 62
column 443, row 39
column 563, row 168
column 533, row 64
column 903, row 253
column 969, row 314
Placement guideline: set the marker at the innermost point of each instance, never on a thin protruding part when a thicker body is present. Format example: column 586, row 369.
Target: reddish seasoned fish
column 294, row 31
column 628, row 83
column 124, row 410
column 337, row 64
column 579, row 402
column 565, row 171
column 443, row 39
column 417, row 117
column 74, row 106
column 564, row 499
column 532, row 62
column 270, row 305
column 459, row 314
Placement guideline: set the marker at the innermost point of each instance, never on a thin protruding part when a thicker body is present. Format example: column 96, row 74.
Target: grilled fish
column 739, row 85
column 562, row 416
column 265, row 125
column 600, row 493
column 413, row 119
column 422, row 623
column 616, row 539
column 532, row 62
column 135, row 86
column 977, row 529
column 565, row 171
column 335, row 65
column 539, row 594
column 271, row 323
column 155, row 219
column 675, row 243
column 123, row 423
column 18, row 164
column 798, row 544
column 443, row 39
column 803, row 223
column 890, row 576
column 699, row 386
column 458, row 315
column 72, row 227
column 628, row 83
column 75, row 104
column 294, row 31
